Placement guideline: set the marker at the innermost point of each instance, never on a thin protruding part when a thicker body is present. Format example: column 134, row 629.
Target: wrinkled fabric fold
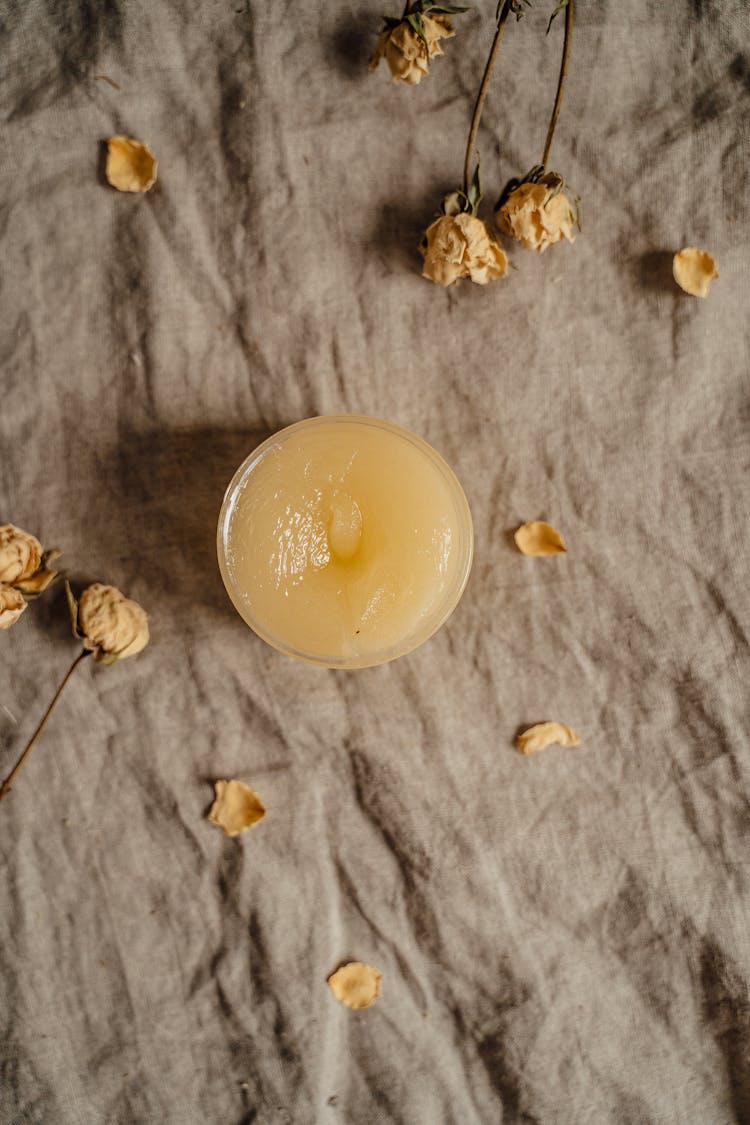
column 562, row 938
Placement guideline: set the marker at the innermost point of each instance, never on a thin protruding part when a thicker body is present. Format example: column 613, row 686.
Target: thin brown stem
column 479, row 104
column 7, row 785
column 560, row 81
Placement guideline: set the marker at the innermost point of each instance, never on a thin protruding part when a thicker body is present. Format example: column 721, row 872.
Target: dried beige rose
column 545, row 734
column 356, row 985
column 23, row 563
column 131, row 166
column 406, row 52
column 236, row 807
column 694, row 270
column 538, row 215
column 539, row 538
column 12, row 605
column 20, row 554
column 457, row 246
column 109, row 624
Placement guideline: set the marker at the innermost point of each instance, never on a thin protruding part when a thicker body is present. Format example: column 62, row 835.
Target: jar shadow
column 174, row 482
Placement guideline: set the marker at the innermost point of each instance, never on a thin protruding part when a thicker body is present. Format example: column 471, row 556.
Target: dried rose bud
column 12, row 605
column 109, row 624
column 538, row 213
column 23, row 563
column 408, row 45
column 457, row 246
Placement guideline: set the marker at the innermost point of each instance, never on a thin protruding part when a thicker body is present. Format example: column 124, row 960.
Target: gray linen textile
column 564, row 939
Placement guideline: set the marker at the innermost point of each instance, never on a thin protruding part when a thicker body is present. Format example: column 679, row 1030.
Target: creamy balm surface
column 345, row 540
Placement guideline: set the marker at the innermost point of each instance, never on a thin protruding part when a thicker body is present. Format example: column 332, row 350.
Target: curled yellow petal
column 131, row 166
column 694, row 270
column 356, row 985
column 546, row 734
column 539, row 538
column 236, row 807
column 12, row 605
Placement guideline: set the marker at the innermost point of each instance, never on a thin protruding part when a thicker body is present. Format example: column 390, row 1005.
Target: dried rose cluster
column 534, row 211
column 110, row 625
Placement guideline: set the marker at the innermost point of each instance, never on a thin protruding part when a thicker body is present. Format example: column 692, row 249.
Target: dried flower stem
column 479, row 104
column 5, row 788
column 560, row 81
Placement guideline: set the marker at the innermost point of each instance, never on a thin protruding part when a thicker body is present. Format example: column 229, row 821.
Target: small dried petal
column 41, row 579
column 694, row 270
column 236, row 807
column 110, row 624
column 545, row 734
column 435, row 29
column 20, row 555
column 131, row 166
column 539, row 538
column 356, row 985
column 12, row 606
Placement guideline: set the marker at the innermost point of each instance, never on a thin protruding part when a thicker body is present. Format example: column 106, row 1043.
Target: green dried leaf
column 561, row 5
column 455, row 202
column 475, row 191
column 415, row 21
column 577, row 205
column 516, row 7
column 443, row 10
column 72, row 609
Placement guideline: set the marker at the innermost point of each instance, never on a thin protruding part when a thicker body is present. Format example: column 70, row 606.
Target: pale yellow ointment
column 345, row 540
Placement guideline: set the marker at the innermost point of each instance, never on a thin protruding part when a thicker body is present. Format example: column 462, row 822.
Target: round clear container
column 390, row 587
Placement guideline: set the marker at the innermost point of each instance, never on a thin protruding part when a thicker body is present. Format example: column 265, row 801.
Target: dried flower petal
column 457, row 246
column 545, row 734
column 537, row 215
column 406, row 52
column 12, row 605
column 110, row 624
column 41, row 579
column 694, row 270
column 236, row 807
column 539, row 538
column 357, row 985
column 131, row 166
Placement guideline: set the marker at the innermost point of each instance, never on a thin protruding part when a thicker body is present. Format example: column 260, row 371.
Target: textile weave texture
column 564, row 939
